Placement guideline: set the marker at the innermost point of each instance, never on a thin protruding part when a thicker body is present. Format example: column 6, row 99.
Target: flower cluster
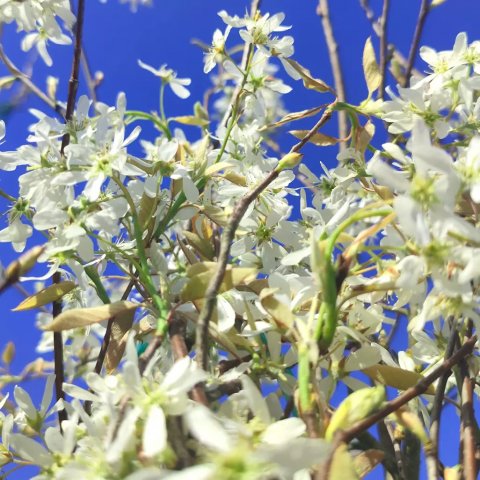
column 301, row 304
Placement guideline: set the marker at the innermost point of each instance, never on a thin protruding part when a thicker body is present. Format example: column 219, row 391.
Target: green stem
column 327, row 318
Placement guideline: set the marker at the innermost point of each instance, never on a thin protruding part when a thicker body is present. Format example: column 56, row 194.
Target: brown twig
column 420, row 388
column 22, row 77
column 57, row 306
column 324, row 13
column 345, row 436
column 422, row 17
column 73, row 82
column 226, row 241
column 58, row 354
column 432, row 452
column 383, row 46
column 396, row 54
column 468, row 426
column 176, row 332
column 247, row 51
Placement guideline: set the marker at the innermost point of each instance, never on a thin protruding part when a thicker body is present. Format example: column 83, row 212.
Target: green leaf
column 83, row 317
column 396, row 377
column 373, row 77
column 44, row 297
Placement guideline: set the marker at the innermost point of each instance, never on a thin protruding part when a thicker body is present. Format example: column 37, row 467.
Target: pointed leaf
column 366, row 461
column 121, row 327
column 373, row 77
column 396, row 377
column 82, row 317
column 201, row 273
column 280, row 312
column 291, row 117
column 342, row 466
column 319, row 139
column 44, row 297
column 191, row 120
column 309, row 81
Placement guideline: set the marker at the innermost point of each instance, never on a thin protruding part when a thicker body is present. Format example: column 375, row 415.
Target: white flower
column 169, row 77
column 216, row 52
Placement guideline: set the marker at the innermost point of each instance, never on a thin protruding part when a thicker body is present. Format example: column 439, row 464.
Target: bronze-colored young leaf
column 200, row 274
column 412, row 422
column 203, row 247
column 20, row 267
column 292, row 117
column 319, row 139
column 121, row 326
column 396, row 377
column 363, row 136
column 191, row 120
column 342, row 466
column 8, row 353
column 48, row 295
column 280, row 312
column 373, row 77
column 366, row 461
column 309, row 81
column 83, row 317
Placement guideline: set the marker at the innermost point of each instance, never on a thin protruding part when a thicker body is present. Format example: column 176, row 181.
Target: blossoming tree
column 178, row 283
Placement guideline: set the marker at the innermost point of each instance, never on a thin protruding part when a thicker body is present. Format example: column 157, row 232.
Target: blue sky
column 115, row 38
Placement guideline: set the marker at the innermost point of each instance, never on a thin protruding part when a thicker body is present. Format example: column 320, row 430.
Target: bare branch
column 225, row 244
column 432, row 452
column 396, row 54
column 383, row 46
column 247, row 51
column 413, row 392
column 57, row 306
column 422, row 17
column 22, row 77
column 324, row 13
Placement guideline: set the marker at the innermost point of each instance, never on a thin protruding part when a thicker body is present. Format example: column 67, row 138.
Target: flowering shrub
column 182, row 284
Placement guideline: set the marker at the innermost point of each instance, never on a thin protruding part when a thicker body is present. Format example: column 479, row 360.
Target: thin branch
column 383, row 46
column 58, row 354
column 432, row 452
column 468, row 426
column 57, row 306
column 22, row 77
column 397, row 450
column 324, row 13
column 396, row 54
column 345, row 436
column 420, row 388
column 422, row 17
column 247, row 51
column 176, row 332
column 73, row 82
column 228, row 235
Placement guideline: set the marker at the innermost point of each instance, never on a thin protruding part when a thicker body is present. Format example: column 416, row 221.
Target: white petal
column 29, row 449
column 284, row 431
column 155, row 432
column 207, row 429
column 179, row 90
